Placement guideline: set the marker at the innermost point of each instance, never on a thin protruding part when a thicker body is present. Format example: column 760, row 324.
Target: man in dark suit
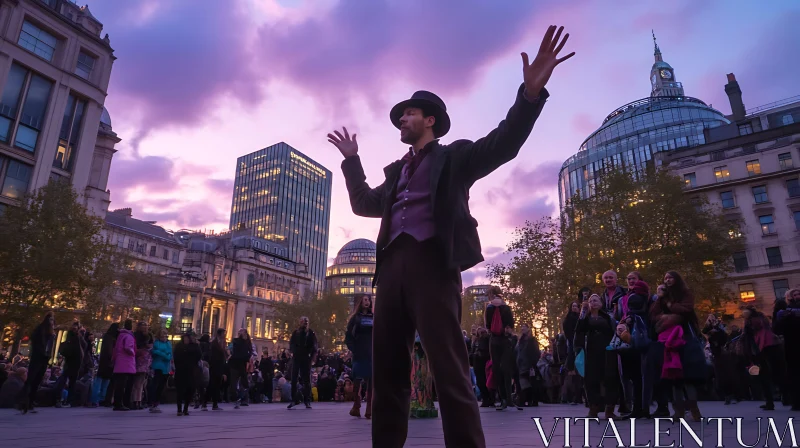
column 427, row 237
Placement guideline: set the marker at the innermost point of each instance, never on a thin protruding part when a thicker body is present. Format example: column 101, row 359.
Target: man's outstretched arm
column 365, row 201
column 476, row 160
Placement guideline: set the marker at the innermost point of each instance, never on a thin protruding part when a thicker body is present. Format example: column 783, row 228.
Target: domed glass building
column 352, row 270
column 630, row 135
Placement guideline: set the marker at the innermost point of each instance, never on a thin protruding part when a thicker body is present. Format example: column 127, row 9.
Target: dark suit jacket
column 454, row 168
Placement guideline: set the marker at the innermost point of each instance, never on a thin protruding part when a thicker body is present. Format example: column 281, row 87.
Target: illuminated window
column 721, row 173
column 767, row 224
column 690, row 180
column 753, row 167
column 746, row 292
column 258, row 327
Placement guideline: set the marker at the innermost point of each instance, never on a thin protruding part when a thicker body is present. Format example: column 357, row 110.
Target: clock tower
column 662, row 76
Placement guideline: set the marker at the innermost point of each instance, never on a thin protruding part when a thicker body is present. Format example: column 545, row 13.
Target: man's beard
column 410, row 137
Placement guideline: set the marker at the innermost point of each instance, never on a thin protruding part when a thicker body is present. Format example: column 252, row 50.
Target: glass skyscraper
column 282, row 195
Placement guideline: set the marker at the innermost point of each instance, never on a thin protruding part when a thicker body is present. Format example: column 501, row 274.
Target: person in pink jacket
column 124, row 360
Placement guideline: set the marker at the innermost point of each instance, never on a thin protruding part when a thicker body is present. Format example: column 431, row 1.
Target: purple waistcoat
column 411, row 212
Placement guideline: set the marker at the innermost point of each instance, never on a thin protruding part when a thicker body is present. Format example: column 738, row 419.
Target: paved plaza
column 329, row 425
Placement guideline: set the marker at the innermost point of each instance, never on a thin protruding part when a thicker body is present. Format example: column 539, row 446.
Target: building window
column 721, row 173
column 70, row 132
column 152, row 251
column 767, row 224
column 745, row 129
column 121, row 242
column 780, row 287
column 787, row 119
column 175, row 255
column 746, row 293
column 793, row 188
column 131, row 244
column 85, row 65
column 740, row 261
column 760, row 194
column 753, row 168
column 165, row 255
column 728, row 200
column 258, row 327
column 785, row 161
column 774, row 257
column 17, row 177
column 22, row 107
column 37, row 41
column 690, row 179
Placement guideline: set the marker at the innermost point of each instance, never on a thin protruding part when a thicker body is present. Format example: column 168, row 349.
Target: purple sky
column 195, row 86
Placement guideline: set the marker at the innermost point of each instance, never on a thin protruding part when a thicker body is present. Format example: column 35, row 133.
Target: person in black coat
column 787, row 324
column 481, row 356
column 359, row 341
column 217, row 358
column 498, row 316
column 186, row 355
column 303, row 345
column 105, row 366
column 42, row 343
column 73, row 350
column 241, row 353
column 528, row 354
column 267, row 369
column 631, row 308
column 593, row 333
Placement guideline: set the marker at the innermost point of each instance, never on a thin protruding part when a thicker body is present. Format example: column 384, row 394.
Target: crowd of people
column 136, row 369
column 623, row 348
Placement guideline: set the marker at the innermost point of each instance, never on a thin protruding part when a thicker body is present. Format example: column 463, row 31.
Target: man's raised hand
column 346, row 144
column 538, row 73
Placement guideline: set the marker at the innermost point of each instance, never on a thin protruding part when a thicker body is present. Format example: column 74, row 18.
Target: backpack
column 497, row 322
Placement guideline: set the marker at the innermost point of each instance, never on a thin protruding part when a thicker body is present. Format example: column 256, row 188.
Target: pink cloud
column 523, row 182
column 584, row 123
column 176, row 59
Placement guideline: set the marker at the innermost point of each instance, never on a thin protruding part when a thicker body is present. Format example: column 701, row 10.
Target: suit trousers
column 417, row 292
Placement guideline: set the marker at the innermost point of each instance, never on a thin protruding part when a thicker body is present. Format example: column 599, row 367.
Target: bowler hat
column 428, row 102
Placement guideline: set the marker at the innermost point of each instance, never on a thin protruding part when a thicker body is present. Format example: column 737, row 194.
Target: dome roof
column 357, row 252
column 661, row 64
column 105, row 118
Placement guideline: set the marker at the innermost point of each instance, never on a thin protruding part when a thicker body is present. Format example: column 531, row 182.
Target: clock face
column 666, row 74
column 653, row 79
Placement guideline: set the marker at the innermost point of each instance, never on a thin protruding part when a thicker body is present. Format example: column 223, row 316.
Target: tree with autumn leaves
column 632, row 221
column 327, row 315
column 53, row 257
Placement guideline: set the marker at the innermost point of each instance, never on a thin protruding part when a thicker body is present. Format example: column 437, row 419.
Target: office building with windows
column 230, row 280
column 282, row 195
column 629, row 137
column 750, row 169
column 54, row 72
column 352, row 271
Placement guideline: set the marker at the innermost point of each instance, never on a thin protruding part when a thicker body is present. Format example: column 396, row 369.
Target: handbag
column 617, row 344
column 580, row 362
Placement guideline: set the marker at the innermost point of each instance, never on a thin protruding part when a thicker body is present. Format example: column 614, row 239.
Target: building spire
column 657, row 51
